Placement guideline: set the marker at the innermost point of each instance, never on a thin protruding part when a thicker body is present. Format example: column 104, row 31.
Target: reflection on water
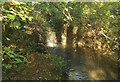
column 88, row 66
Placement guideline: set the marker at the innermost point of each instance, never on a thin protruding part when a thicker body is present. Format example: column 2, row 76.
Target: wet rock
column 80, row 77
column 81, row 62
column 83, row 71
column 76, row 74
column 72, row 69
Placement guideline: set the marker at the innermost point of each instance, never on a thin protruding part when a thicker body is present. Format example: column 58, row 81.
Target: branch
column 68, row 17
column 108, row 38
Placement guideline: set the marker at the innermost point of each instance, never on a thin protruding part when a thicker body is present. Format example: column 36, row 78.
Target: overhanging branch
column 68, row 17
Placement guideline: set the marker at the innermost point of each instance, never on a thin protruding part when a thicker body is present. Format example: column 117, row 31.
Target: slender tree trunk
column 69, row 48
column 78, row 35
column 119, row 42
column 0, row 48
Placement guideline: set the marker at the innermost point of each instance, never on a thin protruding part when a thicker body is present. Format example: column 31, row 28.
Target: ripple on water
column 78, row 75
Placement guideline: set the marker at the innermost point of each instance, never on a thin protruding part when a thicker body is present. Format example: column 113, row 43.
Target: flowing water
column 87, row 64
column 92, row 66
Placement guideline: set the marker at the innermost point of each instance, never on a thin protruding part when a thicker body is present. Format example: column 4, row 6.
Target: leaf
column 10, row 55
column 70, row 7
column 18, row 27
column 11, row 16
column 6, row 11
column 11, row 25
column 16, row 24
column 23, row 18
column 12, row 52
column 7, row 39
column 28, row 33
column 101, row 28
column 25, row 61
column 30, row 18
column 10, row 8
column 6, row 49
column 18, row 60
column 26, row 12
column 21, row 56
column 115, row 38
column 16, row 3
column 8, row 66
column 19, row 53
column 21, row 2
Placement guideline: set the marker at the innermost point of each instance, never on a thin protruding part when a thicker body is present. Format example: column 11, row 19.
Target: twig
column 68, row 17
column 108, row 38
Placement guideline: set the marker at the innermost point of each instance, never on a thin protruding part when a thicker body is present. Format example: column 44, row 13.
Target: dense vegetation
column 25, row 27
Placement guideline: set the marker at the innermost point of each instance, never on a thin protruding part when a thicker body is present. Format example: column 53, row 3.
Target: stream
column 90, row 66
column 87, row 64
column 77, row 71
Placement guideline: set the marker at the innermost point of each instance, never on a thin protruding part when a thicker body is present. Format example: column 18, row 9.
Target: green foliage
column 17, row 13
column 59, row 63
column 11, row 60
column 25, row 23
column 11, row 55
column 17, row 24
column 11, row 16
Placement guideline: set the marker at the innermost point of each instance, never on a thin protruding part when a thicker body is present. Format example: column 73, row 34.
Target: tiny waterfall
column 51, row 40
column 53, row 46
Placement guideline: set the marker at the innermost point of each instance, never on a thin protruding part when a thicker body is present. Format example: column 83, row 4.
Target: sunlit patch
column 74, row 42
column 50, row 44
column 97, row 74
column 63, row 40
column 81, row 43
column 113, row 75
column 75, row 30
column 99, row 47
column 51, row 39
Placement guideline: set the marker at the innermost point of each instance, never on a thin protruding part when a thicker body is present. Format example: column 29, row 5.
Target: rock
column 81, row 62
column 72, row 69
column 76, row 74
column 80, row 77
